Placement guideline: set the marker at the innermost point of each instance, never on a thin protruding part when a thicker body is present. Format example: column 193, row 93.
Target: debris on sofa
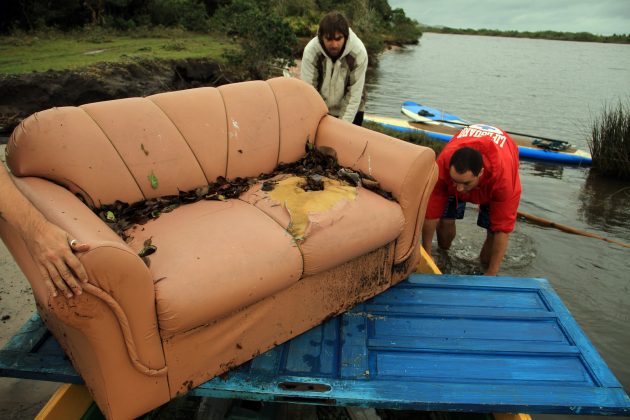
column 147, row 249
column 318, row 167
column 120, row 216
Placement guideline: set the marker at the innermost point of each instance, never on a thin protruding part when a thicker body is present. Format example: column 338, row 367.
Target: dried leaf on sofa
column 153, row 180
column 169, row 208
column 350, row 176
column 268, row 185
column 201, row 191
column 313, row 183
column 148, row 249
column 147, row 261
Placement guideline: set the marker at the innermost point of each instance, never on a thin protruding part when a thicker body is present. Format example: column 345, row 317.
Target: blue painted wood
column 448, row 343
column 32, row 353
column 454, row 343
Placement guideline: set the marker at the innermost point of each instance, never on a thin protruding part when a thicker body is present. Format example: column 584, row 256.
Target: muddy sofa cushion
column 404, row 169
column 213, row 258
column 331, row 226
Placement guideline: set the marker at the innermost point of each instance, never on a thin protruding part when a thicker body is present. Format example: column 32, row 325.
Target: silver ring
column 73, row 243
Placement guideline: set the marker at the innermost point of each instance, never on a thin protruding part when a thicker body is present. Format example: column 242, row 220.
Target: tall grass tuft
column 610, row 141
column 411, row 137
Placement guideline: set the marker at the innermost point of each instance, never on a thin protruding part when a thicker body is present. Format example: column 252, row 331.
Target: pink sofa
column 228, row 280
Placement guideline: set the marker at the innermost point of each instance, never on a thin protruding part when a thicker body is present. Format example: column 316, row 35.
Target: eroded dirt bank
column 21, row 95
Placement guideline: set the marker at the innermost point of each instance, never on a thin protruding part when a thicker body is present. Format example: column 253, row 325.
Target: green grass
column 57, row 51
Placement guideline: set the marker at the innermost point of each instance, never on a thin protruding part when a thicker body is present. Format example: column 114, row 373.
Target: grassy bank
column 44, row 51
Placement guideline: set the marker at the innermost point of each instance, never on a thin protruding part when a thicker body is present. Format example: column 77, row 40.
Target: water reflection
column 463, row 257
column 605, row 203
column 543, row 169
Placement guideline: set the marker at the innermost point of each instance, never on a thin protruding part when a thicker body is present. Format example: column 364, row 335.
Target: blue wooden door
column 454, row 343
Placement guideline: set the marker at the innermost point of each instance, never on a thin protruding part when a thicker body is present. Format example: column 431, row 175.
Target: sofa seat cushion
column 331, row 226
column 213, row 258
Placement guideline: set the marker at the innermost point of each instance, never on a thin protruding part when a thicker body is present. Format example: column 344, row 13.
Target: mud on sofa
column 230, row 279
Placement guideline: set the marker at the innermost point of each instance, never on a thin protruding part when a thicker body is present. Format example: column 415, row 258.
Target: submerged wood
column 568, row 229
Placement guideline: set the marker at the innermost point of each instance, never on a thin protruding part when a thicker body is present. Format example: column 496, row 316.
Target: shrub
column 402, row 28
column 610, row 141
column 189, row 14
column 302, row 26
column 368, row 26
column 266, row 42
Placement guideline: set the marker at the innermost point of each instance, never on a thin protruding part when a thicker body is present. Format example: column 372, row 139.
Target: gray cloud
column 603, row 17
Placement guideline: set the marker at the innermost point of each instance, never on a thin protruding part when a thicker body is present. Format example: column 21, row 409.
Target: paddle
column 417, row 118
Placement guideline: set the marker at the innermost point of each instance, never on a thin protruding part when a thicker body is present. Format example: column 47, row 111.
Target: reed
column 610, row 141
column 416, row 138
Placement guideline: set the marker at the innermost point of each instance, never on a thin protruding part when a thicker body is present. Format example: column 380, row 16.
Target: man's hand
column 53, row 252
column 50, row 246
column 493, row 251
column 428, row 230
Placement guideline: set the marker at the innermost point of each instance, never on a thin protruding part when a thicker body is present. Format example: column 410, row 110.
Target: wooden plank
column 36, row 366
column 426, row 264
column 68, row 402
column 30, row 336
column 510, row 416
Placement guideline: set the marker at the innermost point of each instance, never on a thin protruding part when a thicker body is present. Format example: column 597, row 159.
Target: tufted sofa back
column 138, row 148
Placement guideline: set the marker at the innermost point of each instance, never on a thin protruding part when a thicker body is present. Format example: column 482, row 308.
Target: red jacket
column 499, row 185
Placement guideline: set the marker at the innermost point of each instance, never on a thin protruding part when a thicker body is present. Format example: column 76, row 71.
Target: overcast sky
column 602, row 17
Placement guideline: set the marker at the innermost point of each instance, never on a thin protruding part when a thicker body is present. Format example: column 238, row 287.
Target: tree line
column 550, row 35
column 298, row 16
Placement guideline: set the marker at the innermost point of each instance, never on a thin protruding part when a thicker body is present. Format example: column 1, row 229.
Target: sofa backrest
column 138, row 148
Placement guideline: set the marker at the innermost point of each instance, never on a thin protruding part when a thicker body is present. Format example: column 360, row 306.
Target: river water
column 552, row 89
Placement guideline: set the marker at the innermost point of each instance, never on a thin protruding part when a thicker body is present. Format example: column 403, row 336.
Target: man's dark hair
column 467, row 159
column 332, row 23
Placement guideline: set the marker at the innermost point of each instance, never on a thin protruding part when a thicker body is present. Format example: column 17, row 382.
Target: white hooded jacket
column 340, row 83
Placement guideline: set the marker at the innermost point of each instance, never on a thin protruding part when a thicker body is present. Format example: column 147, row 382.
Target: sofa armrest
column 406, row 170
column 118, row 278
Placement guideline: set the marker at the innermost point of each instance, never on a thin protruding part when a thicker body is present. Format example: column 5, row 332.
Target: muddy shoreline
column 23, row 94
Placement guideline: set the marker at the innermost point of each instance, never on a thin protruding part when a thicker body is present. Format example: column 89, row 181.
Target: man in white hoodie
column 335, row 62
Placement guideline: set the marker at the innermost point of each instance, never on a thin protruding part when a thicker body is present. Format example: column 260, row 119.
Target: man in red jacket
column 479, row 165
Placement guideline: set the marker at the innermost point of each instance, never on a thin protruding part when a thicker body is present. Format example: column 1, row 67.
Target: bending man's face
column 334, row 44
column 464, row 182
